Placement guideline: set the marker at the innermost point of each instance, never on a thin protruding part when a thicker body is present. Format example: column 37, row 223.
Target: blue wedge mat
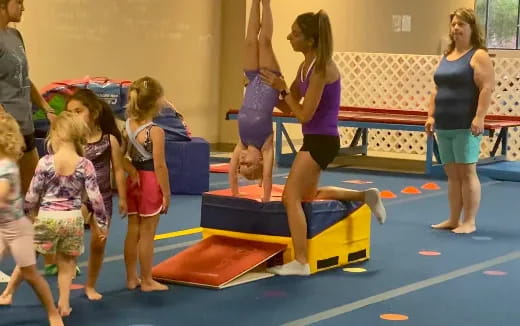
column 507, row 170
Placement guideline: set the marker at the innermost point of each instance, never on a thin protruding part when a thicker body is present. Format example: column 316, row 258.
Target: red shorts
column 145, row 199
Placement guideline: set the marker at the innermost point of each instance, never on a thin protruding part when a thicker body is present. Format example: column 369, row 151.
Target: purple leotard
column 255, row 119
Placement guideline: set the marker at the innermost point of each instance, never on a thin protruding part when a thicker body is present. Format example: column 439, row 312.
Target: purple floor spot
column 482, row 238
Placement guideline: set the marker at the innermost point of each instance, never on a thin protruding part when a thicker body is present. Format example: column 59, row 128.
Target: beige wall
column 366, row 25
column 175, row 41
column 194, row 47
column 231, row 73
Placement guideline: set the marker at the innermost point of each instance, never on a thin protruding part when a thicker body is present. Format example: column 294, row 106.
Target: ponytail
column 132, row 107
column 325, row 43
column 143, row 96
column 107, row 121
column 316, row 27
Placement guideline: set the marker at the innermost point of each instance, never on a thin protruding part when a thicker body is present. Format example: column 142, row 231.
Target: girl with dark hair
column 103, row 149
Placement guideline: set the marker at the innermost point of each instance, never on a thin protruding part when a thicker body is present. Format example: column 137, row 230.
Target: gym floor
column 418, row 275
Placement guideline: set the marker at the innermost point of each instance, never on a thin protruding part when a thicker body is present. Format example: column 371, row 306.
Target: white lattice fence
column 405, row 81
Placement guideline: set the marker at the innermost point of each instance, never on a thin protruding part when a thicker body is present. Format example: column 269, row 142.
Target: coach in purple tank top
column 325, row 119
column 318, row 83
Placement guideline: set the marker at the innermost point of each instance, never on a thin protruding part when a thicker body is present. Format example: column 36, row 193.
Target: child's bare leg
column 95, row 260
column 253, row 26
column 131, row 244
column 42, row 290
column 16, row 279
column 66, row 271
column 267, row 58
column 146, row 244
column 50, row 267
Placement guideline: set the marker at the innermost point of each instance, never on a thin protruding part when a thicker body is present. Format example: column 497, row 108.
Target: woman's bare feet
column 92, row 294
column 153, row 286
column 6, row 299
column 133, row 284
column 465, row 228
column 64, row 309
column 445, row 225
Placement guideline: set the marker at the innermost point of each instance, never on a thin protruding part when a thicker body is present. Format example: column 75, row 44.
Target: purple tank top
column 100, row 154
column 255, row 118
column 325, row 119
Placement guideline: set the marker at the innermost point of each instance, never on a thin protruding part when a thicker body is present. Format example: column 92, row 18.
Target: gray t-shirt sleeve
column 15, row 85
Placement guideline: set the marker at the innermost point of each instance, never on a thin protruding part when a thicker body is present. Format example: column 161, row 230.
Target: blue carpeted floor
column 449, row 289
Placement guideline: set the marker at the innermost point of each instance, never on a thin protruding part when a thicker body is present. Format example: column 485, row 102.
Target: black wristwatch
column 283, row 94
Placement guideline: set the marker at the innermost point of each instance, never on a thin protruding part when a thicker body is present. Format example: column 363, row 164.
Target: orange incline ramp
column 217, row 262
column 219, row 168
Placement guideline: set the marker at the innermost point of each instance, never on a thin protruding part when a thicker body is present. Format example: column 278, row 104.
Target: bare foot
column 6, row 299
column 465, row 228
column 92, row 294
column 153, row 286
column 64, row 309
column 55, row 319
column 133, row 284
column 445, row 225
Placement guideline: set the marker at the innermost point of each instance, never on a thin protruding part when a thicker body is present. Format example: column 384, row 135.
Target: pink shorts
column 18, row 237
column 145, row 199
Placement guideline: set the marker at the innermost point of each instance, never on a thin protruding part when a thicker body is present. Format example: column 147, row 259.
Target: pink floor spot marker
column 393, row 317
column 429, row 253
column 76, row 286
column 495, row 273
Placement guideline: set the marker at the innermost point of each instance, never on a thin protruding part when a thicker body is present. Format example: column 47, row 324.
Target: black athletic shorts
column 30, row 143
column 323, row 148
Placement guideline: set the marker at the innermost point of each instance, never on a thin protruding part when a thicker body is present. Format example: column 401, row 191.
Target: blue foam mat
column 507, row 170
column 249, row 216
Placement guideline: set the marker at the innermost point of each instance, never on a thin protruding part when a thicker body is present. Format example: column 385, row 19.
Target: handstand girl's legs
column 267, row 58
column 253, row 27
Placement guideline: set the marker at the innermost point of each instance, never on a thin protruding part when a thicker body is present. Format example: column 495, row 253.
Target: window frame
column 485, row 25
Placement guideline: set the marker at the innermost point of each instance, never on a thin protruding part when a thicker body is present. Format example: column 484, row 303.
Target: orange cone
column 430, row 186
column 387, row 194
column 411, row 191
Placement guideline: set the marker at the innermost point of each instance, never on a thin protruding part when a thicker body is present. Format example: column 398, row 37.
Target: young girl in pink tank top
column 148, row 188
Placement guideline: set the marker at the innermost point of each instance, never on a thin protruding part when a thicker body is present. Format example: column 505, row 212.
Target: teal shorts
column 458, row 146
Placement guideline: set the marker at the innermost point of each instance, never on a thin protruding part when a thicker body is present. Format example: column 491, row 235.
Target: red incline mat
column 219, row 168
column 215, row 261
